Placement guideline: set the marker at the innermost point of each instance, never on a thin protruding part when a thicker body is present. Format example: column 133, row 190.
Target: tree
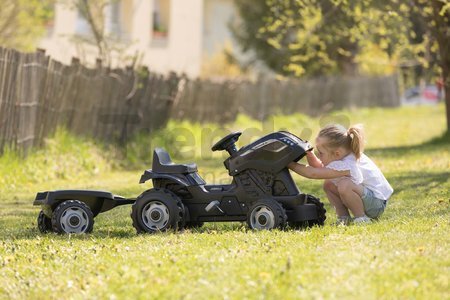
column 107, row 41
column 320, row 37
column 23, row 22
column 437, row 15
column 315, row 37
column 93, row 12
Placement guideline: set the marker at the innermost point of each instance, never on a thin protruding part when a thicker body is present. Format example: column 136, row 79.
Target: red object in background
column 426, row 95
column 430, row 94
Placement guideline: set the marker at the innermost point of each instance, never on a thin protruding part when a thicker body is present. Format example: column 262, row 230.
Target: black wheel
column 182, row 222
column 266, row 214
column 321, row 211
column 72, row 216
column 44, row 223
column 321, row 214
column 157, row 210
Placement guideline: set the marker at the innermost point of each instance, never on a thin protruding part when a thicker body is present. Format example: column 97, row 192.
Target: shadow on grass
column 442, row 141
column 419, row 182
column 30, row 232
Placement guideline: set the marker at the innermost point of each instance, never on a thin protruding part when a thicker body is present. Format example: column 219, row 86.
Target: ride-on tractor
column 262, row 193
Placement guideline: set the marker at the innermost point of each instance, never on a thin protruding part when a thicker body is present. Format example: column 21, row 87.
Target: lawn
column 402, row 256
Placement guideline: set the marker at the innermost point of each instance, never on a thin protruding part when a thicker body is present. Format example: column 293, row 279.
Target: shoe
column 342, row 221
column 362, row 220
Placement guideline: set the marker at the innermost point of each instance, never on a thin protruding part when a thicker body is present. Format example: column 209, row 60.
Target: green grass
column 403, row 256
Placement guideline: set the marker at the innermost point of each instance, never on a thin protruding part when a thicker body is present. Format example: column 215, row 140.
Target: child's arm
column 317, row 173
column 313, row 160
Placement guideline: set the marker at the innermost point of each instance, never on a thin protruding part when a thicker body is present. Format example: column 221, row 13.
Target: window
column 113, row 19
column 82, row 26
column 161, row 19
column 50, row 20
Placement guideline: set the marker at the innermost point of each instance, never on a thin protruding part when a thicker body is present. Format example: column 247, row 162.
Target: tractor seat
column 163, row 164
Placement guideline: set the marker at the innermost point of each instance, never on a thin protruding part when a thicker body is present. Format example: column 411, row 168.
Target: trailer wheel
column 72, row 216
column 157, row 210
column 266, row 214
column 44, row 223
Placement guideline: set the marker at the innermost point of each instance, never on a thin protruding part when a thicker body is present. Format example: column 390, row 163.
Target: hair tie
column 350, row 134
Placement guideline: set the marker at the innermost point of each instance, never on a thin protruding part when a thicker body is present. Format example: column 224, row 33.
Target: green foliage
column 404, row 255
column 312, row 37
column 23, row 22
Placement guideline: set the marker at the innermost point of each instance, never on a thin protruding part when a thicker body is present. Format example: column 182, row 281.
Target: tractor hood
column 271, row 153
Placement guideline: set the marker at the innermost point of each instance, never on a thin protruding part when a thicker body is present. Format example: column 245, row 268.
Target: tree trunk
column 447, row 102
column 442, row 34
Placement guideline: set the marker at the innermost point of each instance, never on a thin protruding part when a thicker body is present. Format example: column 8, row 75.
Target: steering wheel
column 227, row 143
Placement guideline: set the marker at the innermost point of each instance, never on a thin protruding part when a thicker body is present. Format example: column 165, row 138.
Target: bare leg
column 351, row 194
column 335, row 199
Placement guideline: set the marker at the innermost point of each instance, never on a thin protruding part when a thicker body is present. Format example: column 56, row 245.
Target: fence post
column 262, row 82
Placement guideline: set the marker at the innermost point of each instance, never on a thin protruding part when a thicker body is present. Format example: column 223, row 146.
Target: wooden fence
column 208, row 101
column 38, row 94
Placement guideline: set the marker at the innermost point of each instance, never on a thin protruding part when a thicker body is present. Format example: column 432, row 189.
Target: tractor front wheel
column 266, row 214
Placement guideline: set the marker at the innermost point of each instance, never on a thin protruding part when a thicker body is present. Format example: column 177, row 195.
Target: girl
column 352, row 181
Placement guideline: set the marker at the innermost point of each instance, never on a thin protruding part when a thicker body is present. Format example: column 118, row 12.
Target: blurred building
column 169, row 35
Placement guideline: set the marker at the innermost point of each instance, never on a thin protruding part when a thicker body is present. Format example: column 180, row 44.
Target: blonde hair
column 338, row 136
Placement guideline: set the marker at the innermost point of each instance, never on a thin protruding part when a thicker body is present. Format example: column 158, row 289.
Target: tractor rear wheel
column 321, row 214
column 157, row 210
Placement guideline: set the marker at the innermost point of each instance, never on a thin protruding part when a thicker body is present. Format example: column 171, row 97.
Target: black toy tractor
column 261, row 193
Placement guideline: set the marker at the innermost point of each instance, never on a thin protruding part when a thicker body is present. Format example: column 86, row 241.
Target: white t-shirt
column 373, row 179
column 350, row 163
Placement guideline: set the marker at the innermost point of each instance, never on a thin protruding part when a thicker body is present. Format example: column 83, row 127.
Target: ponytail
column 338, row 136
column 356, row 135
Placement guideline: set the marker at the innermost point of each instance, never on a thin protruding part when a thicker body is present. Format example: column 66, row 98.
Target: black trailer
column 73, row 211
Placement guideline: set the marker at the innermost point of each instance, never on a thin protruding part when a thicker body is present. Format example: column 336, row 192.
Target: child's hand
column 310, row 154
column 313, row 160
